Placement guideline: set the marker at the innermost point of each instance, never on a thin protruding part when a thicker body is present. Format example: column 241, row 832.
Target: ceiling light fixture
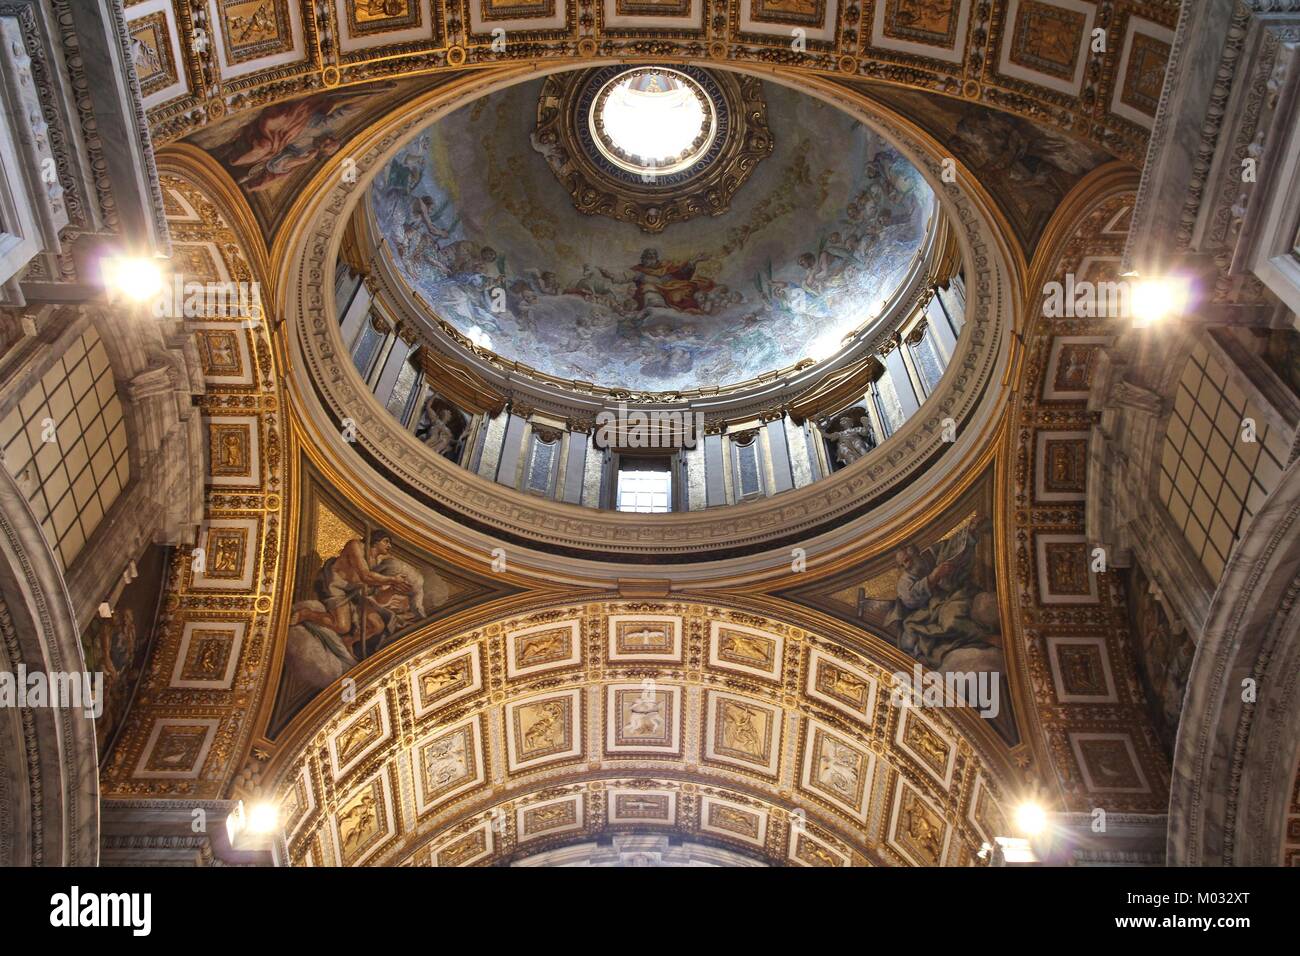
column 1031, row 818
column 264, row 817
column 1155, row 299
column 137, row 278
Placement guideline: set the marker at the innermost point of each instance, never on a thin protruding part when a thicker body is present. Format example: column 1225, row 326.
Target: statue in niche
column 441, row 427
column 853, row 437
column 440, row 437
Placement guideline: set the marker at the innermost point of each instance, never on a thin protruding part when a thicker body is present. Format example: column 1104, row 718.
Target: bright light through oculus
column 653, row 121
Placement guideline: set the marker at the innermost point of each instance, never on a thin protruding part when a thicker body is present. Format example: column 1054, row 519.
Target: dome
column 807, row 247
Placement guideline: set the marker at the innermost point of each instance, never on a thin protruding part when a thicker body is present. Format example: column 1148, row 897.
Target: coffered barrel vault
column 571, row 722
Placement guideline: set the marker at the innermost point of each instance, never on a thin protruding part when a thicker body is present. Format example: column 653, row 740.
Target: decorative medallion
column 652, row 145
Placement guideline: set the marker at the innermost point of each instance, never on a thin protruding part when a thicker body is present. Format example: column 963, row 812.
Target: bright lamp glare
column 1153, row 300
column 1030, row 818
column 263, row 817
column 135, row 278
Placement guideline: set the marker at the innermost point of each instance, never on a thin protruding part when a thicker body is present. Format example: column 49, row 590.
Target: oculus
column 652, row 145
column 652, row 122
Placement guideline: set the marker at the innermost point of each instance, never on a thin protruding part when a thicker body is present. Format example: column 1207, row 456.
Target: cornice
column 584, row 37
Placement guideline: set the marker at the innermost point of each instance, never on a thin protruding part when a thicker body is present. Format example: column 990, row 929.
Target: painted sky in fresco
column 822, row 232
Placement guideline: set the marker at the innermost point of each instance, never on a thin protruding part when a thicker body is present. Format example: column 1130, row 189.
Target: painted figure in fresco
column 288, row 135
column 678, row 346
column 362, row 590
column 1027, row 156
column 464, row 257
column 110, row 647
column 401, row 178
column 853, row 439
column 542, row 281
column 720, row 298
column 420, row 234
column 827, row 267
column 936, row 596
column 591, row 286
column 672, row 285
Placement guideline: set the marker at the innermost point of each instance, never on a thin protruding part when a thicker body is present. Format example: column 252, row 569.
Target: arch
column 1234, row 757
column 465, row 730
column 49, row 783
column 206, row 210
column 1044, row 622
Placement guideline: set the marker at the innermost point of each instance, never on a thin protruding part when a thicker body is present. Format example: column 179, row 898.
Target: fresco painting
column 118, row 647
column 273, row 152
column 1164, row 653
column 934, row 597
column 358, row 587
column 1028, row 168
column 810, row 247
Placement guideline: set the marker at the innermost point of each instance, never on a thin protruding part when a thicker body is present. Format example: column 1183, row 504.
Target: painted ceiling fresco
column 272, row 152
column 934, row 598
column 358, row 587
column 813, row 242
column 1026, row 167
